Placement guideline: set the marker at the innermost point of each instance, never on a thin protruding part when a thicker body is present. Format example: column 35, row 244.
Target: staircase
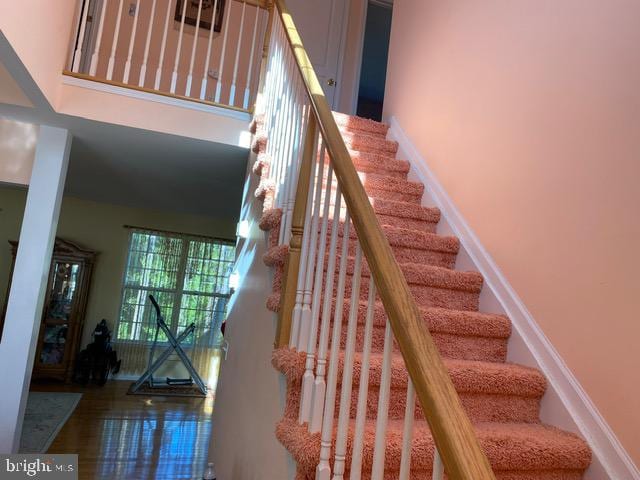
column 391, row 370
column 501, row 399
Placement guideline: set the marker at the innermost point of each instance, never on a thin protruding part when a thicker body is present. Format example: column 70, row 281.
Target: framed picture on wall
column 207, row 17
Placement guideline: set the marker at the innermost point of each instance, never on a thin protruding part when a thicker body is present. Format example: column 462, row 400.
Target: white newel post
column 24, row 309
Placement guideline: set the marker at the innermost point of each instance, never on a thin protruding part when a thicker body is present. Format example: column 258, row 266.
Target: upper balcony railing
column 201, row 50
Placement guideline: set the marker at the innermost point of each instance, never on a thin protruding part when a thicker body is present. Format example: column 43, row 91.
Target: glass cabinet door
column 59, row 311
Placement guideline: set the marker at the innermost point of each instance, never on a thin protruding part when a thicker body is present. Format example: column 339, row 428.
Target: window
column 189, row 276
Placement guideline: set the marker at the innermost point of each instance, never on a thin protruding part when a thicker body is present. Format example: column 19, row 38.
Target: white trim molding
column 152, row 97
column 566, row 404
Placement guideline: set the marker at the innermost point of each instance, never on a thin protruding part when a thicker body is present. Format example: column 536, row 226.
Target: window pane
column 208, row 267
column 138, row 318
column 207, row 313
column 154, row 261
column 193, row 271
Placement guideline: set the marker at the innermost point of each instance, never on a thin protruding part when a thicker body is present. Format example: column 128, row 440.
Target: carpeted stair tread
column 397, row 237
column 359, row 124
column 442, row 320
column 406, row 210
column 407, row 237
column 368, row 162
column 510, row 447
column 362, row 142
column 384, row 187
column 489, row 378
column 501, row 399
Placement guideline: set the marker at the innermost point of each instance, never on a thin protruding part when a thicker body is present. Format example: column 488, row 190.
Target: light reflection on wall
column 17, row 151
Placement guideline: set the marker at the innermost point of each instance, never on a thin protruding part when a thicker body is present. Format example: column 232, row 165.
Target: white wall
column 251, row 394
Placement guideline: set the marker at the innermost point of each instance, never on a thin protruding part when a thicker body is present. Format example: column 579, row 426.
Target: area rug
column 45, row 415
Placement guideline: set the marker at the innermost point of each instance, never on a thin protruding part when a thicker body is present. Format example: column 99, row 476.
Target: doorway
column 375, row 52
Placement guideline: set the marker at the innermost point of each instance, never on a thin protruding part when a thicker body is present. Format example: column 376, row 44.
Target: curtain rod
column 194, row 235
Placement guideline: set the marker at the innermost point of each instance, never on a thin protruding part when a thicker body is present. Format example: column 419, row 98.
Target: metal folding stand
column 174, row 346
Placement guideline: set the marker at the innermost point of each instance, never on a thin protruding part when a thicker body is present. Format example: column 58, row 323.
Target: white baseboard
column 566, row 404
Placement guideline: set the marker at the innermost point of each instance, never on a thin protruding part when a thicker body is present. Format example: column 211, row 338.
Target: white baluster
column 187, row 90
column 323, row 471
column 363, row 391
column 232, row 93
column 438, row 467
column 163, row 45
column 308, row 378
column 377, row 472
column 284, row 145
column 276, row 84
column 306, row 237
column 295, row 152
column 176, row 63
column 347, row 372
column 77, row 56
column 132, row 39
column 319, row 383
column 276, row 65
column 280, row 137
column 222, row 54
column 147, row 44
column 407, row 432
column 247, row 90
column 114, row 43
column 313, row 265
column 205, row 75
column 96, row 52
column 278, row 62
column 291, row 152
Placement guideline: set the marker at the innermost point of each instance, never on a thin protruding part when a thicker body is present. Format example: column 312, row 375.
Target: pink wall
column 40, row 33
column 529, row 114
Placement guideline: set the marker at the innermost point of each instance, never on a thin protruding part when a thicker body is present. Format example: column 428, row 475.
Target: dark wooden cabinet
column 64, row 310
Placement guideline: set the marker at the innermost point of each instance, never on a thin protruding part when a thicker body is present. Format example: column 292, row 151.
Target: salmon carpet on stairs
column 501, row 399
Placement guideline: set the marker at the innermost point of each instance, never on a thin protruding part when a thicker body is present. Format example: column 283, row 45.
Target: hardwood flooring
column 120, row 436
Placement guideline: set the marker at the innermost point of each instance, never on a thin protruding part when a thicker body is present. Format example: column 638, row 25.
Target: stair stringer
column 565, row 404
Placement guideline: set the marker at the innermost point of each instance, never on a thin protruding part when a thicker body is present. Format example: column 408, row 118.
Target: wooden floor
column 120, row 436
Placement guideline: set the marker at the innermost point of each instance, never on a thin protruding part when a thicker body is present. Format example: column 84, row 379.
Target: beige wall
column 98, row 226
column 529, row 114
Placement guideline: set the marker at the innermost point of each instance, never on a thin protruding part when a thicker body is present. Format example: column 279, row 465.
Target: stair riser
column 480, row 408
column 363, row 166
column 420, row 474
column 449, row 345
column 371, row 144
column 404, row 254
column 409, row 223
column 378, row 193
column 426, row 296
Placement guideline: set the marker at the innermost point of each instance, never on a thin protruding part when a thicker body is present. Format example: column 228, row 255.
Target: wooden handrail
column 453, row 433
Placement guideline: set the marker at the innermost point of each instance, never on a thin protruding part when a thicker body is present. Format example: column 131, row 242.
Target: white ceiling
column 145, row 169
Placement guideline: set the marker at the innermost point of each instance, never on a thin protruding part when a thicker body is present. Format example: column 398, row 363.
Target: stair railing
column 337, row 249
column 206, row 51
